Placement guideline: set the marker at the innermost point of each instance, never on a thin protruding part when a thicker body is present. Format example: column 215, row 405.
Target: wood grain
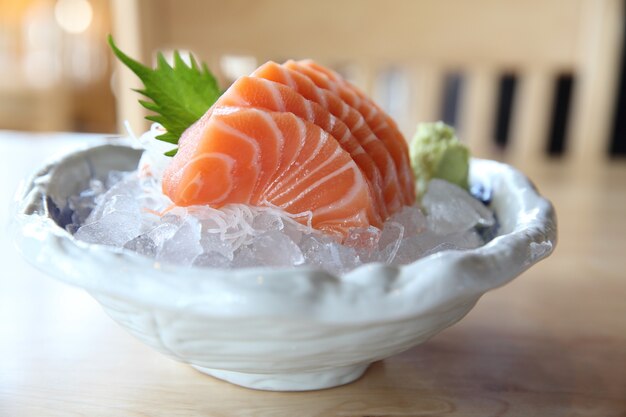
column 551, row 343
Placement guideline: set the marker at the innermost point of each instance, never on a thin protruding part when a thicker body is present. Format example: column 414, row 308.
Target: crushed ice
column 128, row 210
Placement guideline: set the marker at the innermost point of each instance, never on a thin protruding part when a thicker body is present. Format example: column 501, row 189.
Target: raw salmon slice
column 379, row 122
column 263, row 158
column 265, row 94
column 369, row 141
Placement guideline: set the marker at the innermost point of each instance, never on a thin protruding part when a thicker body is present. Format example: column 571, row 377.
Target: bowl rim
column 371, row 292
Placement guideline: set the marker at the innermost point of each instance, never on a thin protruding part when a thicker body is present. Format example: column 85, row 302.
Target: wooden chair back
column 401, row 51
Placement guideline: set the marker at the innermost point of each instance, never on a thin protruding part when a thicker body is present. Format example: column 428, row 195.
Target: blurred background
column 538, row 83
column 519, row 79
column 55, row 69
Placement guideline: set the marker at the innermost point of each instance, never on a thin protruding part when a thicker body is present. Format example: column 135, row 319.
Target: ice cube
column 122, row 197
column 162, row 232
column 409, row 251
column 114, row 229
column 451, row 209
column 294, row 232
column 238, row 235
column 364, row 241
column 128, row 185
column 416, row 247
column 215, row 242
column 143, row 245
column 267, row 221
column 469, row 239
column 121, row 203
column 153, row 199
column 274, row 248
column 211, row 260
column 429, row 242
column 244, row 257
column 172, row 219
column 184, row 245
column 412, row 219
column 328, row 254
column 314, row 250
column 392, row 234
column 211, row 224
column 345, row 258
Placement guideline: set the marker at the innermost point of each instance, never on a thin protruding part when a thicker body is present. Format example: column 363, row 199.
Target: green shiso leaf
column 179, row 94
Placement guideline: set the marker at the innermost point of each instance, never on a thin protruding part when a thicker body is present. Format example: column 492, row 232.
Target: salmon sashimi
column 370, row 142
column 264, row 158
column 265, row 94
column 378, row 120
column 299, row 138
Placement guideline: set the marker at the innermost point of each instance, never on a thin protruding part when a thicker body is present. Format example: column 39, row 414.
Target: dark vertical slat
column 618, row 137
column 453, row 86
column 504, row 110
column 557, row 138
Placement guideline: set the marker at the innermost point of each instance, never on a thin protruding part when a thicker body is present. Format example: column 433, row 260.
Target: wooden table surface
column 551, row 343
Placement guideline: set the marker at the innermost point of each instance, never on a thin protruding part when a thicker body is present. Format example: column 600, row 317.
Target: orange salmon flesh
column 298, row 137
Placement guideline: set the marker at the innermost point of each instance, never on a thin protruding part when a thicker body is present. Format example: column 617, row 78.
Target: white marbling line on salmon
column 220, row 124
column 284, row 167
column 279, row 140
column 270, row 193
column 358, row 100
column 198, row 180
column 280, row 103
column 349, row 165
column 324, row 138
column 359, row 184
column 390, row 176
column 336, row 153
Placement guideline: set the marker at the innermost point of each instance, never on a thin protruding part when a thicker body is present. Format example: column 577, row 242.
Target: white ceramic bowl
column 281, row 328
